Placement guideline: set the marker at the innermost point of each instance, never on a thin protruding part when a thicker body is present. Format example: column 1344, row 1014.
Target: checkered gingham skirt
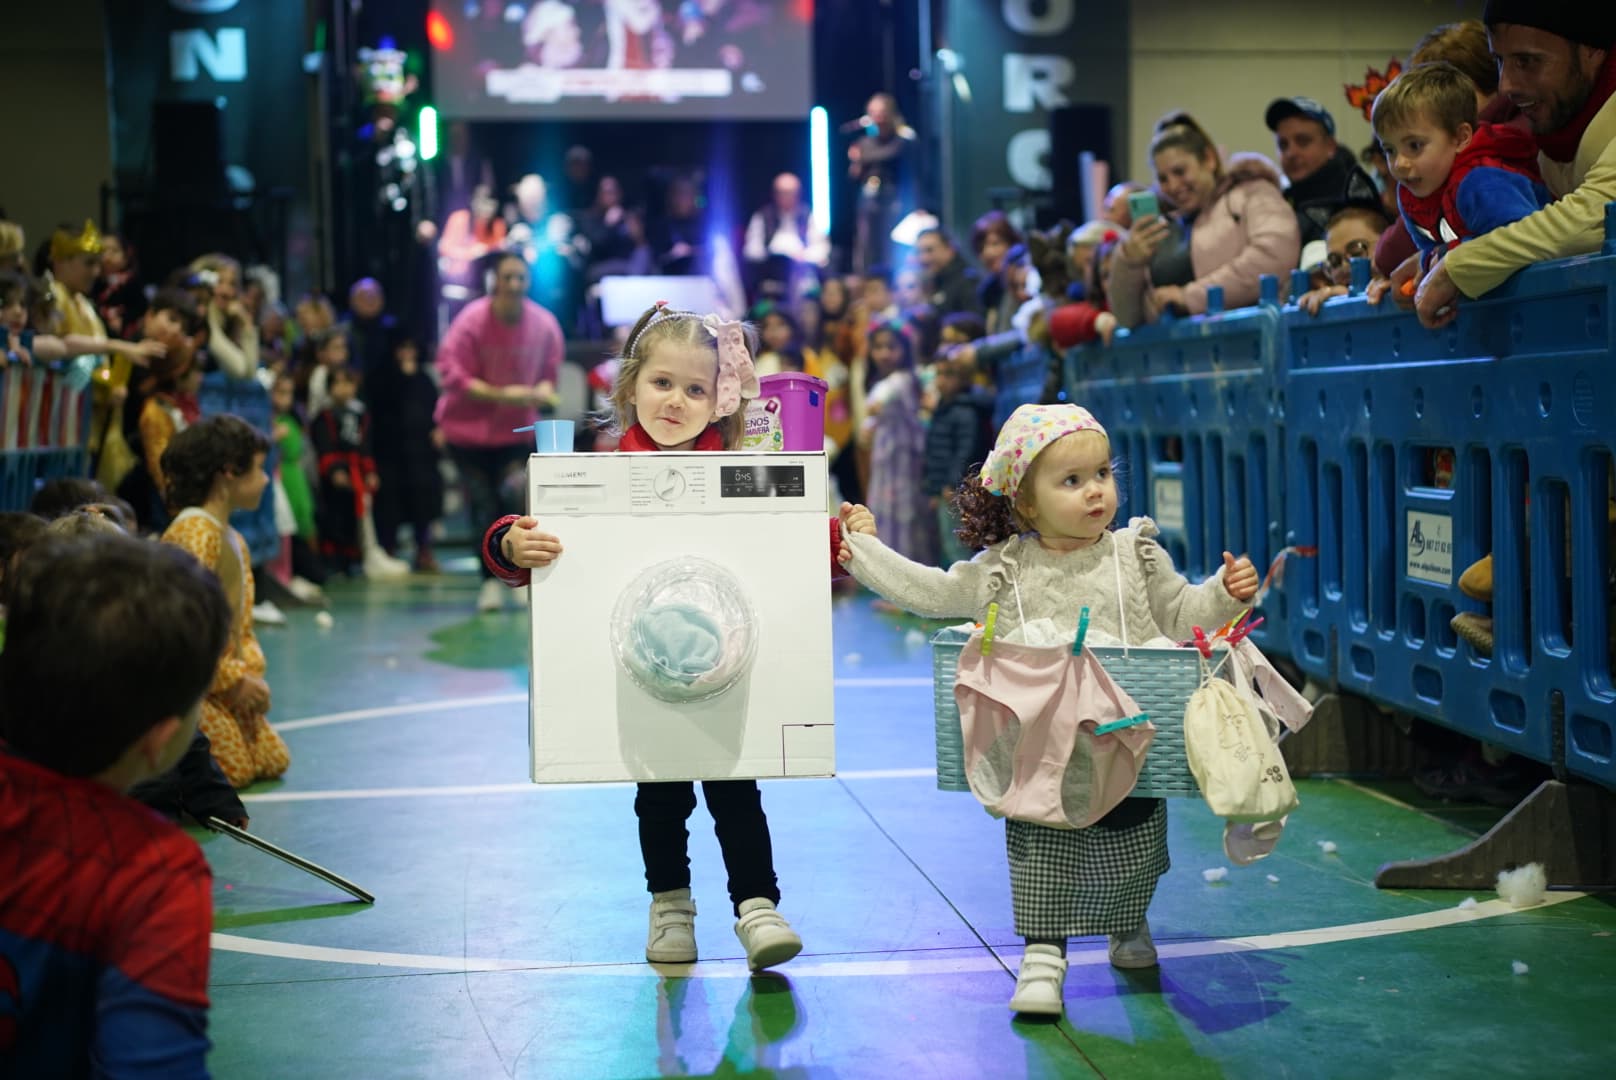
column 1082, row 882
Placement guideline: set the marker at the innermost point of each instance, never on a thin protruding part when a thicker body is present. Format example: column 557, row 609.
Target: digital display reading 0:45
column 761, row 481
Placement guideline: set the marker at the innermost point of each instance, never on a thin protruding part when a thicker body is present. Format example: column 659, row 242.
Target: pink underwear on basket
column 1027, row 715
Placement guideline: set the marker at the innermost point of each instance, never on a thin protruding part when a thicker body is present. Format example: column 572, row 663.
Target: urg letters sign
column 1035, row 82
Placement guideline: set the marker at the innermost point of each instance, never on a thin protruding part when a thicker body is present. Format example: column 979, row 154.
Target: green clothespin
column 1118, row 725
column 987, row 629
column 1082, row 632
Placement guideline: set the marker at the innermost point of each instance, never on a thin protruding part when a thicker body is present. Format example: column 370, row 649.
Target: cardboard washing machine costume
column 685, row 634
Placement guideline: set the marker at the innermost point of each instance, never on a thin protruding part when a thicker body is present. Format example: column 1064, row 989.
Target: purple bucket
column 788, row 414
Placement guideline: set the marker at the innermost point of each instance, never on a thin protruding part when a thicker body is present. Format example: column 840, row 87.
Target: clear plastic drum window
column 684, row 630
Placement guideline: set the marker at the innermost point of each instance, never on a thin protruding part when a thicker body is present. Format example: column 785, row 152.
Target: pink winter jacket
column 1249, row 230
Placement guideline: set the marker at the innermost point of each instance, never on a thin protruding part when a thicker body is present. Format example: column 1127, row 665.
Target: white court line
column 924, row 965
column 448, row 790
column 409, row 708
column 401, row 709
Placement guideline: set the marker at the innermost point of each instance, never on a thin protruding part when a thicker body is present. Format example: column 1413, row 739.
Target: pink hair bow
column 737, row 379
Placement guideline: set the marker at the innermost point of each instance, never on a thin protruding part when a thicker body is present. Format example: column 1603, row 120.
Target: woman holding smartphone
column 1228, row 227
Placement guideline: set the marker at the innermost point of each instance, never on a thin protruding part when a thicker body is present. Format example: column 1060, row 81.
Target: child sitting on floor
column 213, row 467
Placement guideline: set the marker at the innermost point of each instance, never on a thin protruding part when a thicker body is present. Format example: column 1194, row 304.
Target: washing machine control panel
column 762, row 481
column 677, row 483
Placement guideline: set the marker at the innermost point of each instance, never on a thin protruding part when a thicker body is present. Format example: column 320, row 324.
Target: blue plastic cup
column 553, row 436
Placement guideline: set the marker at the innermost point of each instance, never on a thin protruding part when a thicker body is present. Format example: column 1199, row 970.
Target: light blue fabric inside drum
column 680, row 641
column 684, row 630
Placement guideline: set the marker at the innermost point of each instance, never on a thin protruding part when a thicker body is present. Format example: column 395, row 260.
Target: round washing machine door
column 684, row 630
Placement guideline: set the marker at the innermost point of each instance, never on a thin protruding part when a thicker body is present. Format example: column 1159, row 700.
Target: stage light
column 428, row 124
column 439, row 32
column 819, row 158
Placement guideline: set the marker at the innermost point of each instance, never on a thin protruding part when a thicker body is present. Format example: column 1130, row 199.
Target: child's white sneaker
column 1134, row 950
column 491, row 597
column 672, row 938
column 307, row 592
column 765, row 934
column 380, row 566
column 1041, row 983
column 266, row 613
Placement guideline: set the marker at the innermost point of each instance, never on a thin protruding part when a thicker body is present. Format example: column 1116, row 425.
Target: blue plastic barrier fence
column 1405, row 455
column 1414, row 453
column 1021, row 378
column 44, row 424
column 1193, row 411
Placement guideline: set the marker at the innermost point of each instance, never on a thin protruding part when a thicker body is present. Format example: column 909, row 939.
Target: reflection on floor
column 508, row 934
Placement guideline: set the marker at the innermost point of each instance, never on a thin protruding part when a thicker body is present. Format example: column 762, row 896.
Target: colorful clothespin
column 1118, row 725
column 1082, row 632
column 987, row 629
column 1229, row 627
column 1242, row 632
column 1202, row 644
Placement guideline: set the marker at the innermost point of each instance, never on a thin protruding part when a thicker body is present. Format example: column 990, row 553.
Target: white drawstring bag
column 1233, row 755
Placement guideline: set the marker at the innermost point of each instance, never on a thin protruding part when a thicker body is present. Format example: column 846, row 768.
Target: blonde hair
column 1465, row 46
column 662, row 326
column 12, row 241
column 214, row 262
column 1438, row 92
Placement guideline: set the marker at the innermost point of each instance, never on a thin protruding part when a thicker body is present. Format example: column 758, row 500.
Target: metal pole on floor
column 245, row 837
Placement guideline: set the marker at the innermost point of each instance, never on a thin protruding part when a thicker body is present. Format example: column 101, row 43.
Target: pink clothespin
column 1202, row 644
column 1241, row 632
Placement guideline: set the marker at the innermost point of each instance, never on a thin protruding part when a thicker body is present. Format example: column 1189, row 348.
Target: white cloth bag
column 1234, row 756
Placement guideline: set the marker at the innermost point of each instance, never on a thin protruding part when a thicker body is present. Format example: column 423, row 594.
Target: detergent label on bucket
column 763, row 428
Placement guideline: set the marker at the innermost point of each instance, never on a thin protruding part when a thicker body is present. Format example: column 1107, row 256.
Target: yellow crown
column 64, row 245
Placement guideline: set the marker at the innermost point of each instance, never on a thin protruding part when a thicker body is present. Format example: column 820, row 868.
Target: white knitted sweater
column 1055, row 585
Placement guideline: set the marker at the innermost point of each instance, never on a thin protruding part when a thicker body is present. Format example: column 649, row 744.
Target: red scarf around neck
column 636, row 440
column 1497, row 146
column 1562, row 145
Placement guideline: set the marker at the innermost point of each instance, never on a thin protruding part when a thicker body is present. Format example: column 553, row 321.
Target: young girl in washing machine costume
column 682, row 385
column 1043, row 509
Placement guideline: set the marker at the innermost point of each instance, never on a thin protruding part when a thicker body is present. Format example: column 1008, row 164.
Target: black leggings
column 492, row 487
column 743, row 836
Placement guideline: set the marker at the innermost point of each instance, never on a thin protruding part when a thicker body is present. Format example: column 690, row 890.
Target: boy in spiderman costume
column 1456, row 177
column 105, row 907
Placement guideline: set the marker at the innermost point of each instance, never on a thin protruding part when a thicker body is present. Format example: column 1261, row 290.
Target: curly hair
column 198, row 455
column 987, row 519
column 677, row 328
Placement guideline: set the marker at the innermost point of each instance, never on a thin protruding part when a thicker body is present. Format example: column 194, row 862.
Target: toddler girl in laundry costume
column 682, row 385
column 1043, row 508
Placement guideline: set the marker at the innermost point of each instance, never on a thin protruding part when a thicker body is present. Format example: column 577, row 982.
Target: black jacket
column 194, row 785
column 960, row 436
column 955, row 289
column 1339, row 183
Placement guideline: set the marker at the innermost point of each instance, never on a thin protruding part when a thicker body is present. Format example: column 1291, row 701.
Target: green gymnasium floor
column 507, row 939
